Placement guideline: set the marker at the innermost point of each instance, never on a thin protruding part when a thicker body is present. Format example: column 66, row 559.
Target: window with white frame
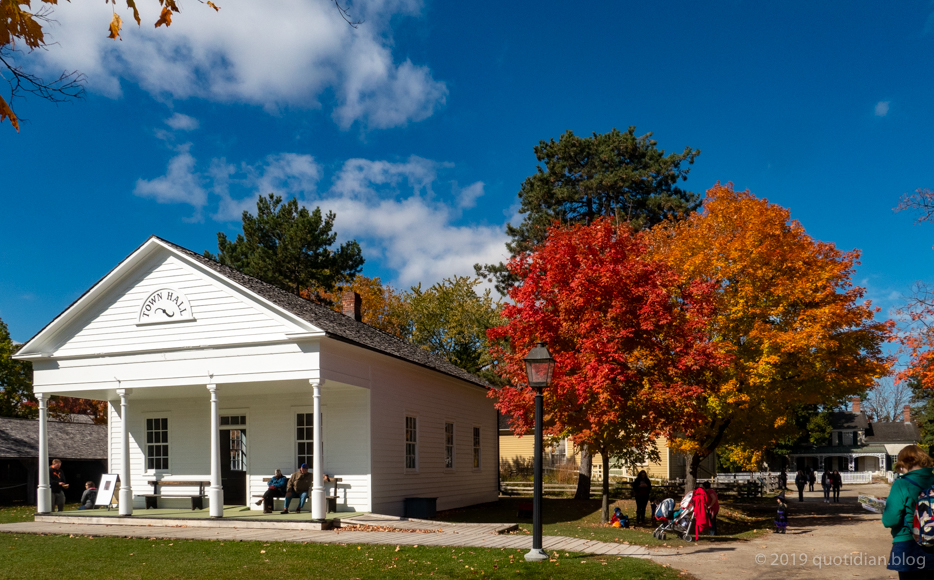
column 449, row 445
column 157, row 443
column 411, row 442
column 476, row 447
column 305, row 437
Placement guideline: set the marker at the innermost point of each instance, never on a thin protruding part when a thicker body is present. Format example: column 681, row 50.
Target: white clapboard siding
column 222, row 315
column 398, row 388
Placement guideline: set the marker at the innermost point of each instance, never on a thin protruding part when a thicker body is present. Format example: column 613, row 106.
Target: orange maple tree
column 628, row 336
column 794, row 326
column 381, row 305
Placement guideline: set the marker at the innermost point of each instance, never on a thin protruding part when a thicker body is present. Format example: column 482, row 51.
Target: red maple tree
column 627, row 335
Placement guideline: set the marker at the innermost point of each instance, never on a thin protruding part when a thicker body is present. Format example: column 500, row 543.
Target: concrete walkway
column 824, row 541
column 410, row 532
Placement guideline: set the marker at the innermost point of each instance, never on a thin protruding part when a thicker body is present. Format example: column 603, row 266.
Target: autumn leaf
column 132, row 4
column 115, row 23
column 164, row 18
column 7, row 112
column 214, row 6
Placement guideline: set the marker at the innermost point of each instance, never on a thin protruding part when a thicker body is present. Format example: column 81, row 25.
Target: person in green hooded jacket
column 907, row 557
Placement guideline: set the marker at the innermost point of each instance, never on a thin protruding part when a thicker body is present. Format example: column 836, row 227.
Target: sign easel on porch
column 105, row 491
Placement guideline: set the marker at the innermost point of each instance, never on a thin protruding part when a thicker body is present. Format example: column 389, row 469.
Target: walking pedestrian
column 783, row 480
column 713, row 505
column 812, row 479
column 800, row 481
column 57, row 484
column 825, row 479
column 907, row 557
column 837, row 484
column 641, row 491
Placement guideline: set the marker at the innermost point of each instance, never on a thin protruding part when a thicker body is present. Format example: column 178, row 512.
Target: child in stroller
column 678, row 521
column 781, row 516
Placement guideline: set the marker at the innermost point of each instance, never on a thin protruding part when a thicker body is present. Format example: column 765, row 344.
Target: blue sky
column 417, row 128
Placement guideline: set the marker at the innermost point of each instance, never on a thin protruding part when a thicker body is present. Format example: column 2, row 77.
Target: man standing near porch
column 58, row 485
column 299, row 484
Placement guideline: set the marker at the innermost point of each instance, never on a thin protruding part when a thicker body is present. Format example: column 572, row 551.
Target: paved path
column 828, row 536
column 465, row 535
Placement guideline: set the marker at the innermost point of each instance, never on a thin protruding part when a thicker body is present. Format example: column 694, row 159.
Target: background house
column 515, row 450
column 82, row 447
column 858, row 444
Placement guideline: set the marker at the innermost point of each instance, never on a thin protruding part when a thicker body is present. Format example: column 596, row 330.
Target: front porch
column 868, row 458
column 233, row 516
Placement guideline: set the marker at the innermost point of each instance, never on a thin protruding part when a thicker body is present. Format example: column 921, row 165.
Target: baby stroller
column 676, row 521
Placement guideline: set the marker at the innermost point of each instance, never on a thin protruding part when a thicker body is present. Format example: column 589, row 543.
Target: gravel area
column 836, row 541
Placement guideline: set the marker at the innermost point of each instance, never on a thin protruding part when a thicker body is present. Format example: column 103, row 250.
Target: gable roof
column 893, row 432
column 20, row 438
column 848, row 420
column 335, row 324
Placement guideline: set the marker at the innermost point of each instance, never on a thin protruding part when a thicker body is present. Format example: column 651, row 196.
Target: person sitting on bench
column 298, row 485
column 89, row 497
column 276, row 489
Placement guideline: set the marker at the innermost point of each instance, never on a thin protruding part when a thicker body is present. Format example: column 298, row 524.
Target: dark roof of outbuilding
column 335, row 324
column 20, row 438
column 893, row 432
column 848, row 420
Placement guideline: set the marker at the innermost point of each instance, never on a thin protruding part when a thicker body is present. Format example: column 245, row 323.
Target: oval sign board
column 165, row 305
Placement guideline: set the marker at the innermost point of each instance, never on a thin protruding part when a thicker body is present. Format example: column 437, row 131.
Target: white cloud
column 272, row 54
column 389, row 207
column 180, row 184
column 181, row 122
column 467, row 197
column 285, row 174
column 882, row 108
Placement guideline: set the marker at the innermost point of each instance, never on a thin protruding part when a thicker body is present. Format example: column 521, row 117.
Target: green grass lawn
column 29, row 557
column 581, row 519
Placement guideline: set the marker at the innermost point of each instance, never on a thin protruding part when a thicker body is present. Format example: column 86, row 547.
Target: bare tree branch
column 922, row 200
column 887, row 400
column 68, row 85
column 345, row 14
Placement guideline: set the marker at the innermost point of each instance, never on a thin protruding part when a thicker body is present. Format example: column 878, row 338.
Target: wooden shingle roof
column 335, row 324
column 19, row 438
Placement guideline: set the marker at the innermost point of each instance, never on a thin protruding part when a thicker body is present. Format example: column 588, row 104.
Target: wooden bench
column 331, row 500
column 197, row 499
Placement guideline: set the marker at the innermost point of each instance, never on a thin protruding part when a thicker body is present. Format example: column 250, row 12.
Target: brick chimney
column 907, row 414
column 350, row 303
column 856, row 406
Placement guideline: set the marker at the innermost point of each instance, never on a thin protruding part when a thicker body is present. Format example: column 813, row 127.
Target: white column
column 44, row 493
column 318, row 507
column 216, row 491
column 126, row 486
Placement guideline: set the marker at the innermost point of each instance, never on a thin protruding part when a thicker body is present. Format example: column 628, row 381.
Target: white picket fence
column 848, row 477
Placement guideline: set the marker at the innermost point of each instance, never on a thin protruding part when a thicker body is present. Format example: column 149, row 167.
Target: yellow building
column 671, row 464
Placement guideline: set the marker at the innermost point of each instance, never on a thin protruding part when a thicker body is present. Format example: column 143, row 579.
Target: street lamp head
column 539, row 366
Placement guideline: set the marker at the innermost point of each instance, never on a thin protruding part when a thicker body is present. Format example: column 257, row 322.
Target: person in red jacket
column 701, row 515
column 713, row 506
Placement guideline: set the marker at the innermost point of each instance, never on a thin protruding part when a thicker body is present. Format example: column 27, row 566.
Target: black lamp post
column 539, row 367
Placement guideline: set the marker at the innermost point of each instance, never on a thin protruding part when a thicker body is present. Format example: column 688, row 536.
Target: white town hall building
column 214, row 375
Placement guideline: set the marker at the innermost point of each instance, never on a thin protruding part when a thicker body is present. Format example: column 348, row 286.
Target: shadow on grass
column 581, row 519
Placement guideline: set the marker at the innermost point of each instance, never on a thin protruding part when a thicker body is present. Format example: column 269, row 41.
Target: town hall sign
column 165, row 305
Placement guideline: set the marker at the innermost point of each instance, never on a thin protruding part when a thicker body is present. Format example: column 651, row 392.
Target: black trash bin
column 422, row 508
